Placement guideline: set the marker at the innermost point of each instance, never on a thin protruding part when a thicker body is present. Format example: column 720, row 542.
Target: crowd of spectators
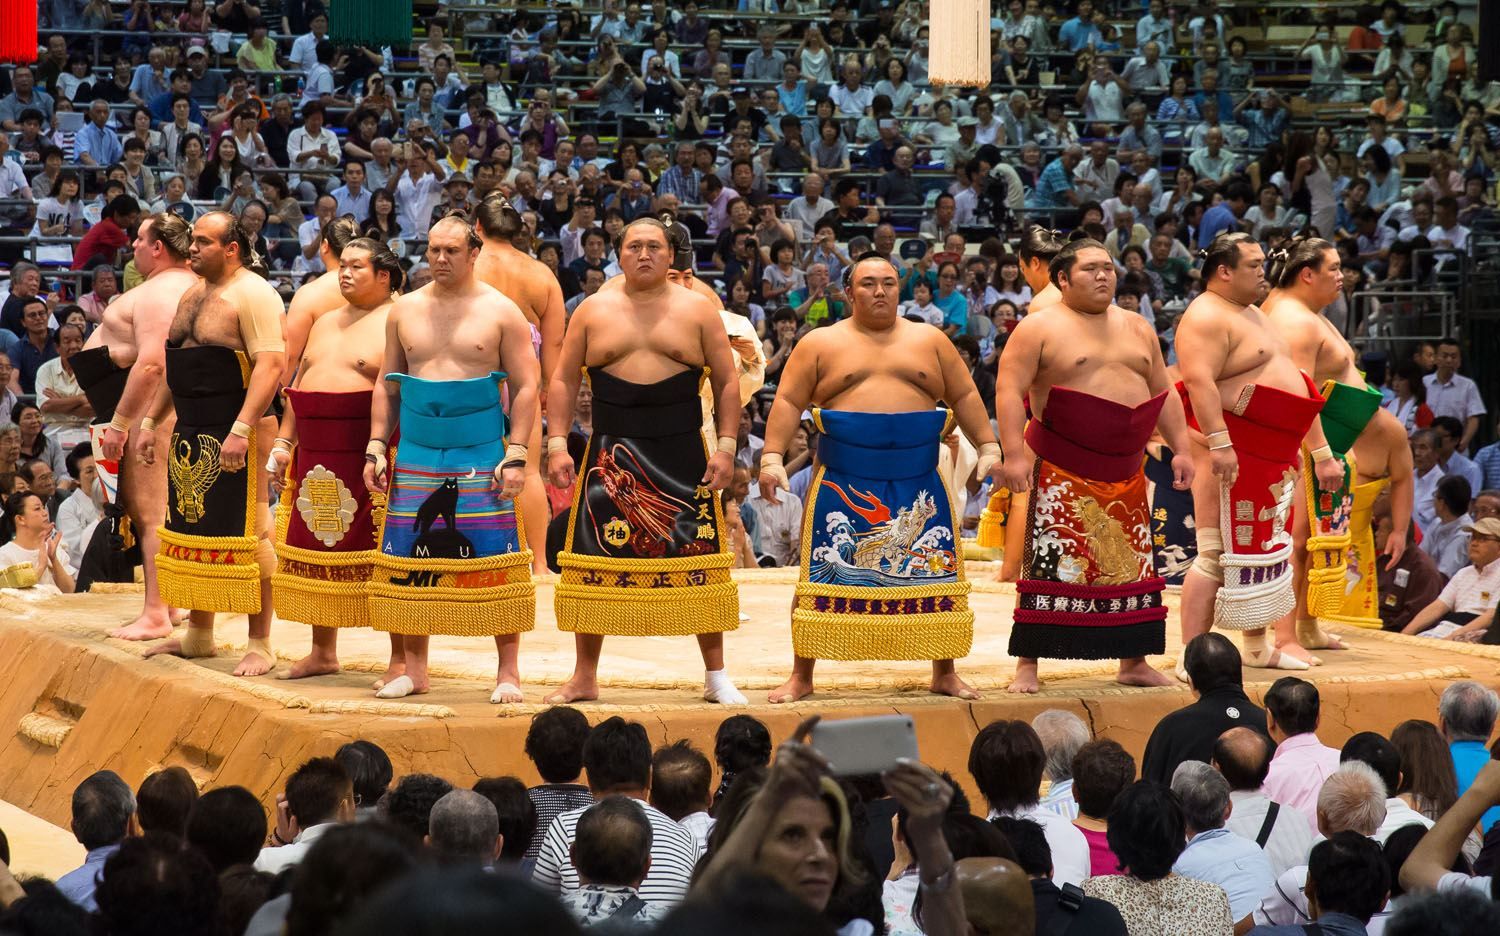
column 1239, row 820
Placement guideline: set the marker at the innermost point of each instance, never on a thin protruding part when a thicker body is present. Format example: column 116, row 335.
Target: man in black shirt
column 1214, row 670
column 115, row 90
column 277, row 128
column 1085, row 916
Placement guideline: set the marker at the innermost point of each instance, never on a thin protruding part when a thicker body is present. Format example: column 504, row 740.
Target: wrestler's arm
column 794, row 391
column 145, row 377
column 1171, row 422
column 385, row 401
column 1202, row 352
column 522, row 372
column 562, row 393
column 723, row 377
column 554, row 324
column 259, row 309
column 962, row 395
column 156, row 412
column 1015, row 373
column 299, row 323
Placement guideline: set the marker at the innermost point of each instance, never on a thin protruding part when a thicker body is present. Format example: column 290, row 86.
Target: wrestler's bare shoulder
column 247, row 289
column 318, row 297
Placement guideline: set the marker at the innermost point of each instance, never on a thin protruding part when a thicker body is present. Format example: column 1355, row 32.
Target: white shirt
column 778, row 527
column 299, row 140
column 415, row 201
column 1459, row 397
column 13, row 553
column 75, row 518
column 51, row 376
column 1286, row 904
column 700, row 824
column 1104, row 103
column 1423, row 489
column 1070, row 850
column 674, row 853
column 309, row 232
column 304, row 52
column 1291, row 838
column 1399, row 815
column 274, row 859
column 1472, row 591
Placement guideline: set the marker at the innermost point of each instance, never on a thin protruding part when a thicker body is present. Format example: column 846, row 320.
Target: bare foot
column 171, row 647
column 1006, row 574
column 254, row 664
column 1313, row 637
column 313, row 665
column 1140, row 673
column 794, row 689
column 1026, row 680
column 145, row 627
column 950, row 684
column 179, row 616
column 506, row 693
column 574, row 690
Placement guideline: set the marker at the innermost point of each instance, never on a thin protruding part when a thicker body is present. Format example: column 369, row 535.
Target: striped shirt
column 552, row 800
column 674, row 854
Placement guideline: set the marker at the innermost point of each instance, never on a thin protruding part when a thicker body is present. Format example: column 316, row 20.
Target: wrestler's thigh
column 145, row 486
column 1300, row 513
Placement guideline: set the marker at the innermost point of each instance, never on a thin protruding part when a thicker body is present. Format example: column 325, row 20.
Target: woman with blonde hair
column 790, row 823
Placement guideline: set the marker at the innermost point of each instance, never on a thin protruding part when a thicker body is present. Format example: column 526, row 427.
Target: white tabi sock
column 717, row 687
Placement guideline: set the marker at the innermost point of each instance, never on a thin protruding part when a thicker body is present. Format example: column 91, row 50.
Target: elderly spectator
column 1242, row 757
column 464, row 829
column 103, row 805
column 1465, row 608
column 1213, row 852
column 1062, row 733
column 1212, row 663
column 1006, row 761
column 1466, row 719
column 63, row 404
column 37, row 346
column 1450, row 458
column 1302, row 762
column 1055, row 187
column 1148, row 833
column 97, row 143
column 1352, row 800
column 617, row 757
column 1447, row 540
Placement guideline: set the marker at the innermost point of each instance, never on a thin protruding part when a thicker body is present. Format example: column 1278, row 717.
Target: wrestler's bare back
column 523, row 279
column 1253, row 352
column 209, row 313
column 1111, row 355
column 1333, row 357
column 646, row 339
column 897, row 370
column 158, row 297
column 344, row 350
column 447, row 336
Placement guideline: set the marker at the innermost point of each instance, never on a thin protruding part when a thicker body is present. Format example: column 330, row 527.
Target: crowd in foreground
column 1238, row 819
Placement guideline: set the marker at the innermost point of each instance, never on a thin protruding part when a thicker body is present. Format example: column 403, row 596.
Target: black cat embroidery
column 440, row 542
column 442, row 502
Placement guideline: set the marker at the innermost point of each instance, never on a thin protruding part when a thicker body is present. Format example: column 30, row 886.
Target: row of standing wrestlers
column 408, row 498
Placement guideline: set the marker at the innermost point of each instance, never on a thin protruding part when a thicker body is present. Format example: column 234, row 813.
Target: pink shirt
column 1102, row 861
column 1298, row 770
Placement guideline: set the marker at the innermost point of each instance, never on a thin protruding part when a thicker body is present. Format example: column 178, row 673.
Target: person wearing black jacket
column 1060, row 911
column 1215, row 673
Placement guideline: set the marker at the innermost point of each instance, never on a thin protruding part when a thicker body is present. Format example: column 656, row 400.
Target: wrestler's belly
column 331, row 381
column 874, row 395
column 1116, row 383
column 1279, row 372
column 120, row 342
